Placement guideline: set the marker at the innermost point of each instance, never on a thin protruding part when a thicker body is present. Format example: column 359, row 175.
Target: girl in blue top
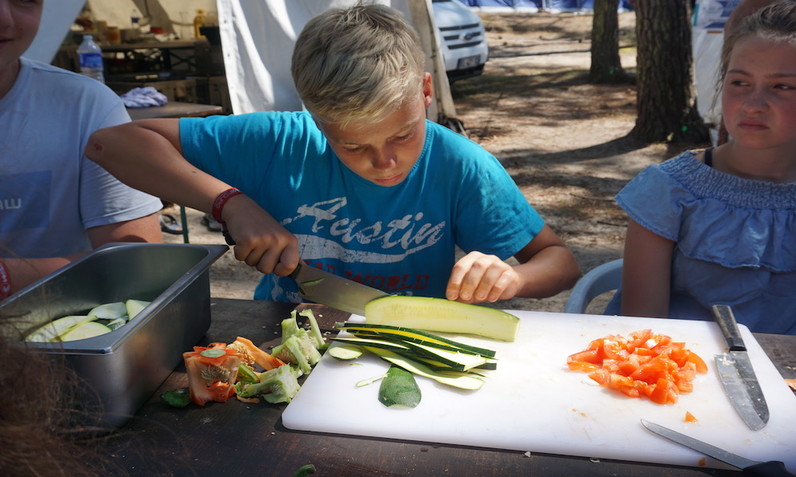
column 361, row 184
column 719, row 226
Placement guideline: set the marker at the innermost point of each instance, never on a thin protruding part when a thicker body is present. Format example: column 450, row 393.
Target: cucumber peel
column 437, row 314
column 399, row 389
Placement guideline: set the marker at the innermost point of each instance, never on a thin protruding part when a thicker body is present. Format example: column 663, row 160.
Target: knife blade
column 333, row 290
column 771, row 468
column 736, row 373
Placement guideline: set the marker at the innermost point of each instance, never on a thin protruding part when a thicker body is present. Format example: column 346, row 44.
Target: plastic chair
column 600, row 279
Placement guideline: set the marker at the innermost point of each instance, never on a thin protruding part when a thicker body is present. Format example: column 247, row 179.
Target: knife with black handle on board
column 773, row 468
column 736, row 373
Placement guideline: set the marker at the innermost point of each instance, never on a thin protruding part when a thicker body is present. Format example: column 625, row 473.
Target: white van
column 464, row 47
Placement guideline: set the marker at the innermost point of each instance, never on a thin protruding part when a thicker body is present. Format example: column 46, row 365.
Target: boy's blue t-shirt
column 400, row 239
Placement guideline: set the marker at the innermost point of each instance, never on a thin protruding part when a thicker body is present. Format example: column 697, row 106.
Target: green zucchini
column 416, row 336
column 345, row 352
column 437, row 314
column 399, row 389
column 459, row 380
column 453, row 360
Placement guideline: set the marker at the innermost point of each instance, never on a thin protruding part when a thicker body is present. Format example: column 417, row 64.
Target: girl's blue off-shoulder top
column 735, row 241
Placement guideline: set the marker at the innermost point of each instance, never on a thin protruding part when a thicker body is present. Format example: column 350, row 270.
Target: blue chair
column 600, row 279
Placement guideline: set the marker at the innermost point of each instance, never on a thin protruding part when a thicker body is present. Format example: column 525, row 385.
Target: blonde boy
column 360, row 184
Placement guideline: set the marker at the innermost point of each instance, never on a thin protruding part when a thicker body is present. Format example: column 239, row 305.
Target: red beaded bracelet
column 221, row 201
column 5, row 282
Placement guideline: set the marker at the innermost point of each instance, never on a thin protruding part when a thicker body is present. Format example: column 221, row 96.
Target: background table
column 175, row 109
column 235, row 438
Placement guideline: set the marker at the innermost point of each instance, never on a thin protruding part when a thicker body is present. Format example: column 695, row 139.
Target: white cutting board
column 532, row 402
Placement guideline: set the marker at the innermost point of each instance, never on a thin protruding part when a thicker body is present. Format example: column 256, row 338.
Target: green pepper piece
column 177, row 397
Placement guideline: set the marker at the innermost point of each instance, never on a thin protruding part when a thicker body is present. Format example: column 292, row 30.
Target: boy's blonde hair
column 775, row 22
column 358, row 63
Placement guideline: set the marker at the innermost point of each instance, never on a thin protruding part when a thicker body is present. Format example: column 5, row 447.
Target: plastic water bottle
column 90, row 55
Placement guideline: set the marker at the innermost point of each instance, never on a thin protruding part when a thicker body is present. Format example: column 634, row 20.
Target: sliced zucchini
column 345, row 352
column 453, row 359
column 437, row 314
column 459, row 380
column 410, row 334
column 83, row 331
column 399, row 389
column 109, row 311
column 51, row 330
column 134, row 307
column 357, row 341
column 116, row 323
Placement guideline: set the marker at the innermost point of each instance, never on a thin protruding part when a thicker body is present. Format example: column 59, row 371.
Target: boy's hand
column 260, row 241
column 477, row 278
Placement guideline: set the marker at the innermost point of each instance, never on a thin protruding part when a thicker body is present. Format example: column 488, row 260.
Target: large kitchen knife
column 736, row 373
column 333, row 290
column 773, row 468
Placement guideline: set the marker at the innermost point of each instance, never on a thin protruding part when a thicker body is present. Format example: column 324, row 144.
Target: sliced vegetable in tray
column 643, row 365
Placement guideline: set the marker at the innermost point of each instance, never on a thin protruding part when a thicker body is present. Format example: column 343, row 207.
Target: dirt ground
column 562, row 140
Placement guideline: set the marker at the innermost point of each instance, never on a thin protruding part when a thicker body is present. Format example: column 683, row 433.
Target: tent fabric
column 707, row 40
column 56, row 19
column 536, row 5
column 257, row 39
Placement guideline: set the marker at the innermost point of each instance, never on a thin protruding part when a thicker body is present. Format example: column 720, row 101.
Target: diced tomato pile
column 643, row 365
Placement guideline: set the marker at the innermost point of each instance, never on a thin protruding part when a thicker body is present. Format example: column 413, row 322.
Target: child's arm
column 546, row 268
column 646, row 273
column 147, row 155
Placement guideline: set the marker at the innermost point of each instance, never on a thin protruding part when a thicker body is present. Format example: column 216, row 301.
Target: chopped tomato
column 644, row 365
column 690, row 417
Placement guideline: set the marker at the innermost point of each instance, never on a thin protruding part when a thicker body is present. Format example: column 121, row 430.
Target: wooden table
column 175, row 109
column 235, row 438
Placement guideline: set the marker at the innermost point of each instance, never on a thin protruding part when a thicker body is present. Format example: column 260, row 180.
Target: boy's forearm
column 145, row 155
column 550, row 271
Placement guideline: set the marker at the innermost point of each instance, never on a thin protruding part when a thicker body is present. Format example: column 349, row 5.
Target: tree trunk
column 666, row 98
column 606, row 67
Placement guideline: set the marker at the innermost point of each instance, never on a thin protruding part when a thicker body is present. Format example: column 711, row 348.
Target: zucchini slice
column 50, row 331
column 459, row 380
column 345, row 352
column 413, row 335
column 437, row 314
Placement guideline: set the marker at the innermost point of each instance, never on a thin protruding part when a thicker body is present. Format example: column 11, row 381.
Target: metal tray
column 124, row 367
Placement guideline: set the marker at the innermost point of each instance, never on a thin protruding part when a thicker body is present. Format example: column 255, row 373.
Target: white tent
column 257, row 41
column 707, row 40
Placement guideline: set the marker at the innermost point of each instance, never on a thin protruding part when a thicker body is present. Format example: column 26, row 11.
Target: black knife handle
column 773, row 468
column 726, row 320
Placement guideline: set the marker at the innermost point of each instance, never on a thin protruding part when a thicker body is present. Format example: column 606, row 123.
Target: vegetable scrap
column 399, row 389
column 221, row 370
column 645, row 365
column 212, row 373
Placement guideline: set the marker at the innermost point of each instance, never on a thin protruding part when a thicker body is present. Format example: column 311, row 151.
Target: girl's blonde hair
column 775, row 22
column 358, row 63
